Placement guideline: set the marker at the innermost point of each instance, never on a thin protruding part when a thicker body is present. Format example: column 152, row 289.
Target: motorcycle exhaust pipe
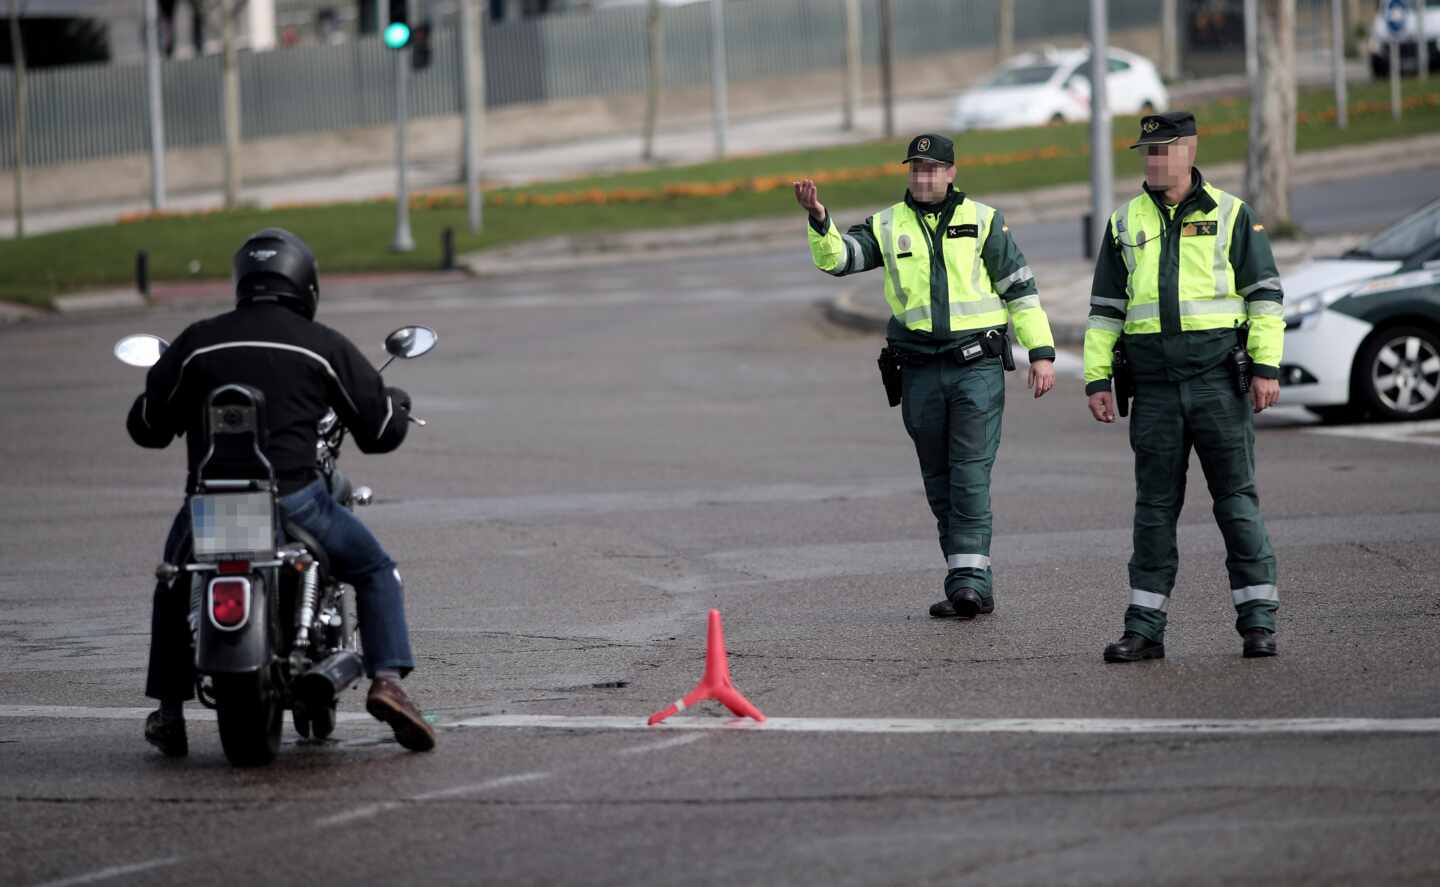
column 326, row 680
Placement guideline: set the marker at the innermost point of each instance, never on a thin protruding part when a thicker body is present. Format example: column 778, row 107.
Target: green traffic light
column 397, row 34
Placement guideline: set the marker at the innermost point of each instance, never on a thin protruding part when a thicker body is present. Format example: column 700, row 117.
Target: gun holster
column 1240, row 362
column 1122, row 378
column 890, row 373
column 997, row 344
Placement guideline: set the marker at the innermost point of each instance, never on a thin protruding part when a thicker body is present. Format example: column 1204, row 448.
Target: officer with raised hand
column 1187, row 295
column 954, row 280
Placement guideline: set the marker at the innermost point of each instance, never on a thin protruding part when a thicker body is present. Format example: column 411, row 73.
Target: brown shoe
column 388, row 702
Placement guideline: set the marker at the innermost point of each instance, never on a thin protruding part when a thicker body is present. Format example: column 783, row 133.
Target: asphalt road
column 610, row 455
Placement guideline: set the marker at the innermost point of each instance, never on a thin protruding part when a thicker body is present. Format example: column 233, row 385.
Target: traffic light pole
column 404, row 242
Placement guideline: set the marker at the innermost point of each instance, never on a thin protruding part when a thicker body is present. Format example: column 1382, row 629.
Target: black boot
column 167, row 734
column 1258, row 642
column 1133, row 647
column 963, row 602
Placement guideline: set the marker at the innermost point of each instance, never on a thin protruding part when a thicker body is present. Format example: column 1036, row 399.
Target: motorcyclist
column 271, row 342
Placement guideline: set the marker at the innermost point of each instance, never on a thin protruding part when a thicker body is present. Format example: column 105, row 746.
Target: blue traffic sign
column 1395, row 13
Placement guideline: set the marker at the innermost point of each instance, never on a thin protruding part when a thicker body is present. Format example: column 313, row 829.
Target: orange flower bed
column 454, row 198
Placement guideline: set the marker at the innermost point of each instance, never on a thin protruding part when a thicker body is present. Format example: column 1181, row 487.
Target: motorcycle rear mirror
column 410, row 341
column 142, row 350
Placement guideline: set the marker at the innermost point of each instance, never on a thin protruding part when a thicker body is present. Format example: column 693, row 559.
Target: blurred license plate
column 233, row 523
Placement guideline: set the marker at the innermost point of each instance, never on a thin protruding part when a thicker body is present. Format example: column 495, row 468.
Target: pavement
column 611, row 452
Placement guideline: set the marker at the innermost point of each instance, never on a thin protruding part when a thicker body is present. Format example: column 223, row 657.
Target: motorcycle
column 272, row 629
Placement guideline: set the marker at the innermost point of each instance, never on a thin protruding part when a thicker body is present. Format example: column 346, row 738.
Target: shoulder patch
column 1257, row 227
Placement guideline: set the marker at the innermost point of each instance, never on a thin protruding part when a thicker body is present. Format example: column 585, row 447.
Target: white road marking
column 969, row 725
column 117, row 871
column 498, row 782
column 370, row 810
column 1424, row 433
column 663, row 744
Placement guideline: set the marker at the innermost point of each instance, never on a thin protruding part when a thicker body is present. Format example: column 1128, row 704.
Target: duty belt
column 991, row 343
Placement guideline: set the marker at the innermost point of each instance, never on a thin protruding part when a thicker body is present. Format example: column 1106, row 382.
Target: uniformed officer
column 954, row 279
column 1186, row 285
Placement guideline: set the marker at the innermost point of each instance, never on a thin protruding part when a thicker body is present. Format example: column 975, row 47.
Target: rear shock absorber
column 305, row 607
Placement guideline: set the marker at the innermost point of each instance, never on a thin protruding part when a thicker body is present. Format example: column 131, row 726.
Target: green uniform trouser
column 952, row 413
column 1166, row 420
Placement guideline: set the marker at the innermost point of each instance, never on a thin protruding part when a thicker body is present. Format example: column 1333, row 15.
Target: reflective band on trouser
column 1254, row 593
column 1264, row 308
column 1148, row 599
column 1018, row 277
column 973, row 561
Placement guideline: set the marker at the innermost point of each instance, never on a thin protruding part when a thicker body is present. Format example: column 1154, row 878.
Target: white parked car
column 1408, row 38
column 1362, row 331
column 1053, row 86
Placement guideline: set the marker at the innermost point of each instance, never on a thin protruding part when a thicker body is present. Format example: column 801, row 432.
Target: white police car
column 1362, row 331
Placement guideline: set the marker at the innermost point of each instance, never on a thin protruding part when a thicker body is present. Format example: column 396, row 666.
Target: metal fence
column 90, row 112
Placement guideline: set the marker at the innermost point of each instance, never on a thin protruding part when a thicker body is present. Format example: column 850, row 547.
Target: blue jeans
column 355, row 557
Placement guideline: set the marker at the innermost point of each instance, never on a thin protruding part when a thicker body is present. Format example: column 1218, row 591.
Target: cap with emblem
column 1162, row 129
column 931, row 147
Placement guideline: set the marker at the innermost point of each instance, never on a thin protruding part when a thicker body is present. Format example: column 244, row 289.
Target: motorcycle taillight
column 229, row 602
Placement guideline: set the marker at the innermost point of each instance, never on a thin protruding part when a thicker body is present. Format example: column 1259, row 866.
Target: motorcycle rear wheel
column 249, row 714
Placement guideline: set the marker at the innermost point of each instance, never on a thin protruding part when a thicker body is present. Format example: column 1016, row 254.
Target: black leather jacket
column 301, row 366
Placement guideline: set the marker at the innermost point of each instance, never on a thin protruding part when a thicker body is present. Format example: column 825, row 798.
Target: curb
column 613, row 249
column 14, row 312
column 108, row 300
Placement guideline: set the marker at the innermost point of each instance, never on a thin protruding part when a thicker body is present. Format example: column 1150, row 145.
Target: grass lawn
column 356, row 236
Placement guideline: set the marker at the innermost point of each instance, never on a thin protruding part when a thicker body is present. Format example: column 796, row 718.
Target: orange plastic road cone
column 714, row 683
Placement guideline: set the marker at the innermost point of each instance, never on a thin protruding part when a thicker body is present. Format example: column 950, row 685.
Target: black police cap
column 931, row 147
column 1162, row 129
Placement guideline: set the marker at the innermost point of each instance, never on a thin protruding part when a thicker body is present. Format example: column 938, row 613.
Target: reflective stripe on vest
column 1205, row 281
column 972, row 300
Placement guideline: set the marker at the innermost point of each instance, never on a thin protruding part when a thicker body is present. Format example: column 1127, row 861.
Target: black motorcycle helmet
column 275, row 264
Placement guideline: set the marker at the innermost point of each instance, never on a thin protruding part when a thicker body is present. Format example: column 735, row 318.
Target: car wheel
column 1398, row 373
column 1379, row 67
column 1147, row 109
column 1057, row 119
